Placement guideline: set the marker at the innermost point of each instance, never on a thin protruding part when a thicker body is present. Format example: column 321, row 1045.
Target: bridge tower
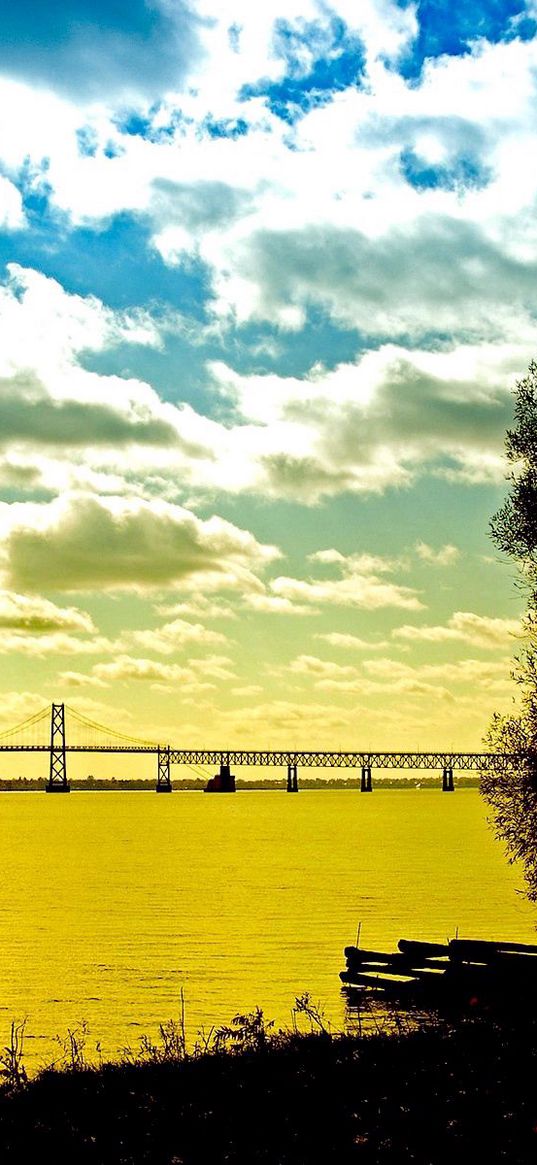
column 164, row 784
column 57, row 782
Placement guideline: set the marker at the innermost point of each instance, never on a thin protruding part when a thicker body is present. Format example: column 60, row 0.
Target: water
column 110, row 903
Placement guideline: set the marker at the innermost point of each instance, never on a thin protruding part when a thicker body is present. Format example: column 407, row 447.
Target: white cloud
column 79, row 543
column 172, row 637
column 343, row 169
column 76, row 679
column 445, row 555
column 126, row 667
column 362, row 426
column 465, row 627
column 36, row 615
column 40, row 646
column 277, row 605
column 12, row 217
column 359, row 585
column 199, row 606
column 350, row 642
column 384, row 677
column 18, row 705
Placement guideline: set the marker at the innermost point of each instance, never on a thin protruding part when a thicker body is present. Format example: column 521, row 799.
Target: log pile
column 463, row 969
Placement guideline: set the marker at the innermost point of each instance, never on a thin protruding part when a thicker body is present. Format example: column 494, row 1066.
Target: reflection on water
column 109, row 903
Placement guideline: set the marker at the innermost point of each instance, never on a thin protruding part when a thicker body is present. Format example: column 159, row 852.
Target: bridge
column 46, row 731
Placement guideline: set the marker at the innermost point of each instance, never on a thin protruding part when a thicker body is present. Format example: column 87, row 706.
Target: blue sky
column 267, row 282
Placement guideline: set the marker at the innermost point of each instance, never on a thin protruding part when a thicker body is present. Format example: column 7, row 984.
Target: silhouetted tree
column 512, row 792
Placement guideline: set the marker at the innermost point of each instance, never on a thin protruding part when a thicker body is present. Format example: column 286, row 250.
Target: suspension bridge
column 59, row 730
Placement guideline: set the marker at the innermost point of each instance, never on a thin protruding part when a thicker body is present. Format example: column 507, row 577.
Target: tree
column 511, row 789
column 514, row 527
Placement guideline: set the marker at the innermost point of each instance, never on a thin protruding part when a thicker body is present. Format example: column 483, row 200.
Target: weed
column 11, row 1058
column 248, row 1031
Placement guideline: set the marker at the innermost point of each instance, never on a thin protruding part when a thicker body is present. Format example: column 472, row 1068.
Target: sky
column 268, row 276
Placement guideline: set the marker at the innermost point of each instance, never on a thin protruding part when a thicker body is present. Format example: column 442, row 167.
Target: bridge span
column 25, row 738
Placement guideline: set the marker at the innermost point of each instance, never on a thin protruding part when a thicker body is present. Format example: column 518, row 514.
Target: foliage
column 511, row 793
column 249, row 1031
column 511, row 789
column 514, row 527
column 459, row 1091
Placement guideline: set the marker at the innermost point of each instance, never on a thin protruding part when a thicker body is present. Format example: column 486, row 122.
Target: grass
column 428, row 1093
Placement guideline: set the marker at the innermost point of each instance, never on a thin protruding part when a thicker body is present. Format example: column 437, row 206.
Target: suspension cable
column 108, row 731
column 29, row 723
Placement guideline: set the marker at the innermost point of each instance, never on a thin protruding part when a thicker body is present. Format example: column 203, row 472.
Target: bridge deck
column 463, row 761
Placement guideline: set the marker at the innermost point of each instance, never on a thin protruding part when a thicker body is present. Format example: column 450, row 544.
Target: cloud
column 126, row 668
column 445, row 555
column 51, row 644
column 83, row 542
column 12, row 217
column 36, row 615
column 345, row 272
column 76, row 679
column 376, row 423
column 385, row 676
column 485, row 674
column 30, row 416
column 36, row 627
column 277, row 605
column 465, row 627
column 174, row 636
column 350, row 642
column 60, row 324
column 92, row 48
column 359, row 585
column 218, row 667
column 197, row 607
column 19, row 705
column 321, row 669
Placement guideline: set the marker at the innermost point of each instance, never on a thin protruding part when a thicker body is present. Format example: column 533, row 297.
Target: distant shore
column 197, row 784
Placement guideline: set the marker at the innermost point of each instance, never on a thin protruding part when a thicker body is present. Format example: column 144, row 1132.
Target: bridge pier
column 448, row 785
column 292, row 778
column 366, row 785
column 57, row 782
column 164, row 784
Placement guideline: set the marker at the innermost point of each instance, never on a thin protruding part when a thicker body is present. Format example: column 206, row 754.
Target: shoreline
column 464, row 1085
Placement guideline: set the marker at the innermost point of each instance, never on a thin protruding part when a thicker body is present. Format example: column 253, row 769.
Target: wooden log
column 396, row 959
column 381, row 982
column 420, row 949
column 501, row 962
column 398, row 970
column 482, row 949
column 360, row 953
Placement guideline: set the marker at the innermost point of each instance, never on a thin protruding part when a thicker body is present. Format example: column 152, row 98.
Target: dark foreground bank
column 442, row 1094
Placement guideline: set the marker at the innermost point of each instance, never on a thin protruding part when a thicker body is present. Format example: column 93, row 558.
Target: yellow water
column 110, row 903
